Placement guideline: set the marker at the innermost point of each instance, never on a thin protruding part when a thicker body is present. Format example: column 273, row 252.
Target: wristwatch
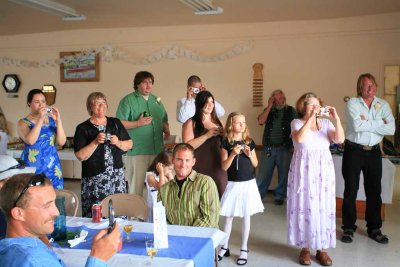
column 11, row 83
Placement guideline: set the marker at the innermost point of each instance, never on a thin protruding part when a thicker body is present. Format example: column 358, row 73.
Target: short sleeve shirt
column 241, row 168
column 148, row 139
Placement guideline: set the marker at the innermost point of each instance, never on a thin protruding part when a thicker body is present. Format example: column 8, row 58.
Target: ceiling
column 18, row 19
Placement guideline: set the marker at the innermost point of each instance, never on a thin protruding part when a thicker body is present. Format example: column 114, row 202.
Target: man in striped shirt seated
column 191, row 198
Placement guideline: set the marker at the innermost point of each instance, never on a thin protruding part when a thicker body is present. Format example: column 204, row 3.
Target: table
column 66, row 156
column 388, row 173
column 77, row 257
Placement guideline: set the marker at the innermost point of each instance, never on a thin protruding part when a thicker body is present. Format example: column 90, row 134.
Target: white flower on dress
column 158, row 99
column 377, row 106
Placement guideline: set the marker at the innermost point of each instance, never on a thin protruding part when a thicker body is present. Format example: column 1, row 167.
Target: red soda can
column 96, row 213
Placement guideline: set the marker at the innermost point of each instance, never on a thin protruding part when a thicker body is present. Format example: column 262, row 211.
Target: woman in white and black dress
column 99, row 143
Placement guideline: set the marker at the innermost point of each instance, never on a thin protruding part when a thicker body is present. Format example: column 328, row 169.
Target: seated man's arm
column 95, row 262
column 209, row 205
column 103, row 247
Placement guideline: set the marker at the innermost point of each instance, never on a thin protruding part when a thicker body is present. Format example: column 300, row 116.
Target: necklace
column 34, row 117
column 99, row 121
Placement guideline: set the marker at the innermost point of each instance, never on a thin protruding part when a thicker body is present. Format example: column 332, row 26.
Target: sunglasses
column 35, row 180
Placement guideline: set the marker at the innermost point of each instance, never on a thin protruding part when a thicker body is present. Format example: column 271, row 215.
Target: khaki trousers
column 135, row 172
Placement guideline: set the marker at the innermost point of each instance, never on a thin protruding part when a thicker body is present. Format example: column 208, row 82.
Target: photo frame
column 85, row 68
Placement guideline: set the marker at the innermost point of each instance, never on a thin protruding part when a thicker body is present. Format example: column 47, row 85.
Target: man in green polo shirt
column 191, row 198
column 145, row 118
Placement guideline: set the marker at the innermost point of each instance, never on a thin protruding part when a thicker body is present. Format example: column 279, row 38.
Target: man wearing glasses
column 28, row 202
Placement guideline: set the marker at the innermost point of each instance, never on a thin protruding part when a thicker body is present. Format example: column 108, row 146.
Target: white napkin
column 78, row 239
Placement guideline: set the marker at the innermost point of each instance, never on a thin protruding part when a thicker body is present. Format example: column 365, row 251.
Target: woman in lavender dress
column 311, row 182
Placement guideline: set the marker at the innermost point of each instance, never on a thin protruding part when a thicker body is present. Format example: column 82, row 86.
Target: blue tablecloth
column 200, row 250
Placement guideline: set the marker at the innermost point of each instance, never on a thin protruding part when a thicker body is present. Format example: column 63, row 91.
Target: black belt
column 363, row 147
column 276, row 145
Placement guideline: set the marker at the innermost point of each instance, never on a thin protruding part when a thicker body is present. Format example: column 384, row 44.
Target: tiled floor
column 268, row 247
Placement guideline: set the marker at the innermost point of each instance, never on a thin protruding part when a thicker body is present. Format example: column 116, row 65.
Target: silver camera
column 196, row 90
column 49, row 109
column 324, row 111
column 108, row 136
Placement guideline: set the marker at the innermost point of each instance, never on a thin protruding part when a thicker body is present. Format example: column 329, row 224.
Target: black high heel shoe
column 226, row 254
column 242, row 261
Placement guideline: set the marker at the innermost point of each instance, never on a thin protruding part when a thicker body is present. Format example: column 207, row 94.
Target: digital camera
column 49, row 109
column 108, row 136
column 196, row 90
column 324, row 111
column 240, row 143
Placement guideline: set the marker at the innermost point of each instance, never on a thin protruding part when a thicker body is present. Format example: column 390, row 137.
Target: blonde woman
column 241, row 197
column 100, row 142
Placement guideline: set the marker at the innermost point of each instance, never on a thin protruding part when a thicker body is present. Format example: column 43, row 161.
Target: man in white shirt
column 186, row 108
column 369, row 119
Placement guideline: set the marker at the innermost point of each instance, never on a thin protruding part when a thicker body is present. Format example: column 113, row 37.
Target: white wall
column 322, row 56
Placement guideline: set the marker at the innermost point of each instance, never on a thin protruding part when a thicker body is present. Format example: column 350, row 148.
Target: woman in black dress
column 204, row 132
column 99, row 143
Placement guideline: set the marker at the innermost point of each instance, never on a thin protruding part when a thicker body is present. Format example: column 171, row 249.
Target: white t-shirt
column 151, row 196
column 185, row 109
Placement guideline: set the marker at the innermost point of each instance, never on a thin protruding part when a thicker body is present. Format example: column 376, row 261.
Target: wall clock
column 11, row 83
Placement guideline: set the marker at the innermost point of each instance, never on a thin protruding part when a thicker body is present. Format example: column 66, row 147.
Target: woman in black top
column 99, row 143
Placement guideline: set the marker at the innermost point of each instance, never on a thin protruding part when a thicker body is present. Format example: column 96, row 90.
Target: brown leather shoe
column 305, row 258
column 323, row 258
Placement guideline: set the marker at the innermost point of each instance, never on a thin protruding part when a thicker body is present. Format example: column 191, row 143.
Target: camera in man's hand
column 195, row 90
column 108, row 136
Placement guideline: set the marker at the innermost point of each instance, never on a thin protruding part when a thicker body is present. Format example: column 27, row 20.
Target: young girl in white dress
column 159, row 173
column 241, row 197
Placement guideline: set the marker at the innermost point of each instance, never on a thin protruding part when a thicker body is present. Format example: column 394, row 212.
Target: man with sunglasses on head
column 28, row 201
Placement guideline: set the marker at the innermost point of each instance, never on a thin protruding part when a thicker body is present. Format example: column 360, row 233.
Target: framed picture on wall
column 82, row 69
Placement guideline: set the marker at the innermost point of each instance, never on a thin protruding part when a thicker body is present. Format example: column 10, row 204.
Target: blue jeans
column 271, row 157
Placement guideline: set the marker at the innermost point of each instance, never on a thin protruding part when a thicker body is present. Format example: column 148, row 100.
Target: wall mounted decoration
column 11, row 84
column 111, row 53
column 82, row 68
column 49, row 92
column 258, row 85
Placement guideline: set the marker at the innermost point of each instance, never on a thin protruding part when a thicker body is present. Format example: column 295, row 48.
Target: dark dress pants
column 355, row 160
